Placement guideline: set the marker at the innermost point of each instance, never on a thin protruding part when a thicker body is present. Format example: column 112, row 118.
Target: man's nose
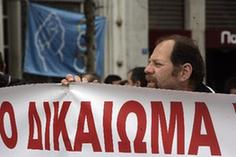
column 148, row 69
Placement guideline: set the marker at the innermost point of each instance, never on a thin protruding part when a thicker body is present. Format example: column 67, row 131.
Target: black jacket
column 7, row 80
column 204, row 88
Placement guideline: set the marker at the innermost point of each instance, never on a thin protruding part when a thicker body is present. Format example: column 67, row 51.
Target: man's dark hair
column 111, row 78
column 186, row 51
column 138, row 74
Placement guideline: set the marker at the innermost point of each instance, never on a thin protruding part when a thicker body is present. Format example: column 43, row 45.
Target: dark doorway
column 220, row 65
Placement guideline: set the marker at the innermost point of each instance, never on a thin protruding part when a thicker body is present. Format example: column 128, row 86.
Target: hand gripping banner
column 98, row 120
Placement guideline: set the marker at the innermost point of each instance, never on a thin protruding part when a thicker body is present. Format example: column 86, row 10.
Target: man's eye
column 157, row 64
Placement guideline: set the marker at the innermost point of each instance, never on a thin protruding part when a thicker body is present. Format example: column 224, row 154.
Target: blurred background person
column 123, row 82
column 230, row 86
column 136, row 77
column 91, row 77
column 112, row 79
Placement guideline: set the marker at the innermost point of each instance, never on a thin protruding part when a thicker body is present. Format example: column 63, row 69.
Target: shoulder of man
column 204, row 88
column 5, row 80
column 15, row 81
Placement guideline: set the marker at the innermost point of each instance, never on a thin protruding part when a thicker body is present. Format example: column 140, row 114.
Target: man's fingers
column 77, row 78
column 70, row 78
column 64, row 82
column 84, row 80
column 95, row 81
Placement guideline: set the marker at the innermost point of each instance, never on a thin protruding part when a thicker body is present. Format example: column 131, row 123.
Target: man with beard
column 176, row 63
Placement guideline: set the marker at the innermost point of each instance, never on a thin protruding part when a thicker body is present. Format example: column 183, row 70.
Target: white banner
column 98, row 120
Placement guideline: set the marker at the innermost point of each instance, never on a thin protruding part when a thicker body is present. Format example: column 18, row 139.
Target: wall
column 195, row 21
column 15, row 38
column 126, row 35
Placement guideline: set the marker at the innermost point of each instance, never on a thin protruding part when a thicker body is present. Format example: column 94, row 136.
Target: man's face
column 160, row 68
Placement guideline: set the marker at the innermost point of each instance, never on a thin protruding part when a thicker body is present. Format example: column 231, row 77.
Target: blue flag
column 55, row 42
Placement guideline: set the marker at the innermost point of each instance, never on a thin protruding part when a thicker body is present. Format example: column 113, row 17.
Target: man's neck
column 186, row 87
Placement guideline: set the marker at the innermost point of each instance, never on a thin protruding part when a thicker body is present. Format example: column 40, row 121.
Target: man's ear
column 186, row 72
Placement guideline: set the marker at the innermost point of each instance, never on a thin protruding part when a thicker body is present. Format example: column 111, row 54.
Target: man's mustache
column 152, row 81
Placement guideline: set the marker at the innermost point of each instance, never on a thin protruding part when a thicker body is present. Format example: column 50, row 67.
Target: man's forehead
column 164, row 48
column 166, row 44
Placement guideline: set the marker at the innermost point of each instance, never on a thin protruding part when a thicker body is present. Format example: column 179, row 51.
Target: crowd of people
column 175, row 63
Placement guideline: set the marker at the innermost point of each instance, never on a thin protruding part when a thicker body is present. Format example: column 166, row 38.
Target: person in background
column 5, row 79
column 112, row 79
column 176, row 63
column 230, row 86
column 123, row 82
column 136, row 77
column 91, row 77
